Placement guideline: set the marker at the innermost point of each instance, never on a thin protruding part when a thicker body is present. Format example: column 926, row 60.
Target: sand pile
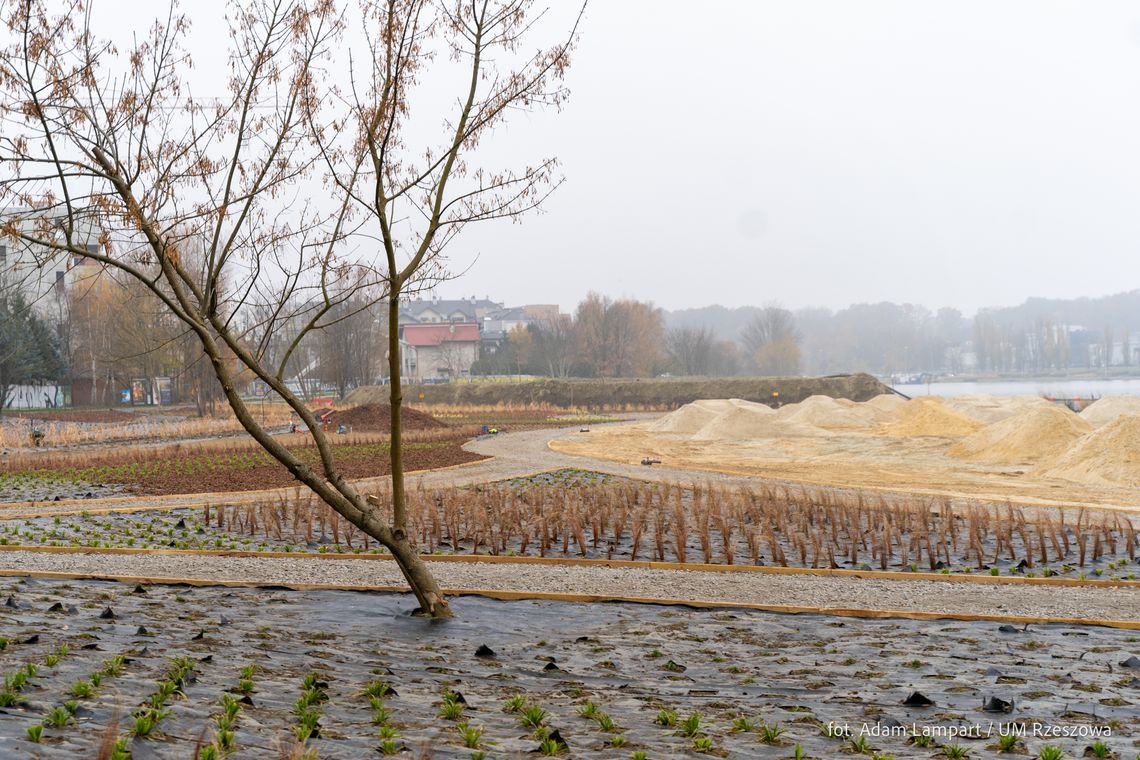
column 989, row 409
column 1105, row 410
column 744, row 420
column 887, row 402
column 1107, row 456
column 1034, row 434
column 690, row 418
column 830, row 414
column 929, row 416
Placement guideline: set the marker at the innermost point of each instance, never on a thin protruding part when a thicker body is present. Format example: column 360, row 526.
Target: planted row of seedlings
column 128, row 464
column 225, row 721
column 147, row 717
column 230, row 451
column 61, row 715
column 789, row 527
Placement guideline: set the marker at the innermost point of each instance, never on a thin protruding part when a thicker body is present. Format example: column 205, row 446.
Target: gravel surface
column 737, row 587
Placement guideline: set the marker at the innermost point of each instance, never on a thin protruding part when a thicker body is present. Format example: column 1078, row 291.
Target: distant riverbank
column 1035, row 387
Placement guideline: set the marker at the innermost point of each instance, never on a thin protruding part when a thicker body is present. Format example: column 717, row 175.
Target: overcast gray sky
column 823, row 153
column 816, row 152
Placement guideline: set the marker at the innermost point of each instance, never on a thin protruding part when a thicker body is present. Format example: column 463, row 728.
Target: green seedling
column 691, row 725
column 770, row 734
column 306, row 724
column 377, row 689
column 551, row 747
column 471, row 735
column 589, row 710
column 1099, row 749
column 533, row 716
column 451, row 710
column 35, row 732
column 380, row 715
column 58, row 717
column 741, row 725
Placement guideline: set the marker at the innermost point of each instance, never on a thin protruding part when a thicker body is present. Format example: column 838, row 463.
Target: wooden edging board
column 891, row 575
column 505, row 595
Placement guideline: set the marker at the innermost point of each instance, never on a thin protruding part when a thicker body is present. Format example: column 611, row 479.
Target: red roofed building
column 439, row 350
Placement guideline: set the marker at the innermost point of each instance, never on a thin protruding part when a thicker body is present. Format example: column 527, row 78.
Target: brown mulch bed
column 378, row 417
column 272, row 475
column 77, row 415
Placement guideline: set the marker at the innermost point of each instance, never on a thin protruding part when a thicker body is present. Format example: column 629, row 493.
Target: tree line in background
column 109, row 329
column 607, row 337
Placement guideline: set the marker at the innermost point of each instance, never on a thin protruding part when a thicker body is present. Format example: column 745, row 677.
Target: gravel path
column 748, row 588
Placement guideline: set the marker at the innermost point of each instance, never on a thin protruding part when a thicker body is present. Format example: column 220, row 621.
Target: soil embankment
column 656, row 393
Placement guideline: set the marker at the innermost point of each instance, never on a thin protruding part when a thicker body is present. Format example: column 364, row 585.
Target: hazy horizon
column 818, row 153
column 828, row 153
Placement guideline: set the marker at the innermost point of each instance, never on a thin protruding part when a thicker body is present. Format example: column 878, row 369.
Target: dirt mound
column 887, row 402
column 378, row 417
column 745, row 420
column 831, row 414
column 1109, row 455
column 690, row 418
column 1034, row 434
column 990, row 409
column 1105, row 410
column 929, row 416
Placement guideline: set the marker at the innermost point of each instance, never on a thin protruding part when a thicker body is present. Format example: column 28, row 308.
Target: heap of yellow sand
column 887, row 403
column 737, row 420
column 929, row 416
column 826, row 413
column 1105, row 410
column 690, row 418
column 1034, row 434
column 745, row 420
column 1107, row 456
column 990, row 409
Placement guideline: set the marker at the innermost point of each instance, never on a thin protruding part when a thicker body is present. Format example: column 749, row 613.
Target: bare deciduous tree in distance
column 94, row 144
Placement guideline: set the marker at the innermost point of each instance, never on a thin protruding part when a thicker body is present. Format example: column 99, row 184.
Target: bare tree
column 416, row 198
column 772, row 341
column 690, row 349
column 618, row 338
column 98, row 143
column 553, row 344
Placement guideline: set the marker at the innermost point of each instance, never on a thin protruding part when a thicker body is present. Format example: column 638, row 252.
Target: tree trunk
column 419, row 578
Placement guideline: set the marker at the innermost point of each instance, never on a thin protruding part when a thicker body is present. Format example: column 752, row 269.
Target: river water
column 1044, row 387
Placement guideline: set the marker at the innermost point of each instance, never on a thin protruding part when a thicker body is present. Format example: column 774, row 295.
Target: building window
column 59, row 280
column 3, row 255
